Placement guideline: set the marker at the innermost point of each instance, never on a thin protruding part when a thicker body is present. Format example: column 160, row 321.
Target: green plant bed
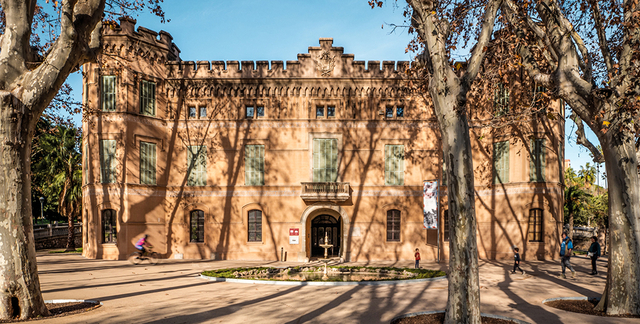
column 77, row 250
column 314, row 273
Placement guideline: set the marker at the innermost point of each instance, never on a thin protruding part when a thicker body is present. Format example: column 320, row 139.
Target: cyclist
column 140, row 245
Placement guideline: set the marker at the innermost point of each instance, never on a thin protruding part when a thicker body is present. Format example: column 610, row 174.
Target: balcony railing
column 325, row 191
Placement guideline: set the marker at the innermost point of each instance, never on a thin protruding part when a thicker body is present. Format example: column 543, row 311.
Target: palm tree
column 60, row 163
column 575, row 202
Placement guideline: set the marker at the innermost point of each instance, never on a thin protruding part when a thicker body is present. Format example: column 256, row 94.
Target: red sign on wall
column 294, row 231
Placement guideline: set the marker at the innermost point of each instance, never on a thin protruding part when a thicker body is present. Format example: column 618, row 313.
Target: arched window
column 393, row 225
column 197, row 226
column 109, row 233
column 255, row 225
column 535, row 225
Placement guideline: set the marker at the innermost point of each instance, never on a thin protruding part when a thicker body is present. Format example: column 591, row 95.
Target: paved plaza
column 172, row 292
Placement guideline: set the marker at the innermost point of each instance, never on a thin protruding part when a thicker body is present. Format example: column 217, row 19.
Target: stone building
column 253, row 160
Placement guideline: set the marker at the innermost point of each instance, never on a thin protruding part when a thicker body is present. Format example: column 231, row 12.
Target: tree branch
column 15, row 40
column 602, row 37
column 477, row 57
column 528, row 60
column 584, row 141
column 78, row 21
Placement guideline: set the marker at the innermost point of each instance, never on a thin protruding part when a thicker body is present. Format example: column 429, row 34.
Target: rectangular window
column 148, row 98
column 197, row 226
column 325, row 160
column 255, row 226
column 109, row 233
column 320, row 112
column 535, row 225
column 394, row 112
column 249, row 112
column 108, row 161
column 192, row 112
column 331, row 111
column 393, row 225
column 445, row 230
column 394, row 165
column 501, row 162
column 108, row 93
column 254, row 165
column 203, row 112
column 147, row 163
column 537, row 163
column 197, row 165
column 389, row 112
column 501, row 100
column 260, row 111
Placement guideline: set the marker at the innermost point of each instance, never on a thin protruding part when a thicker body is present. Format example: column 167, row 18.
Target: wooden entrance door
column 319, row 226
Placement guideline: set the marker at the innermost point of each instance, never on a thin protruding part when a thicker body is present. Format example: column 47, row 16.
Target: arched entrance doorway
column 329, row 225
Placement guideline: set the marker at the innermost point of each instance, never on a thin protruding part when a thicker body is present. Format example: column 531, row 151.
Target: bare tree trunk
column 19, row 285
column 71, row 242
column 463, row 304
column 570, row 231
column 622, row 294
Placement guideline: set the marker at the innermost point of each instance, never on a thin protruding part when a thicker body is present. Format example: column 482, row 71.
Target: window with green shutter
column 444, row 173
column 501, row 162
column 85, row 169
column 537, row 163
column 197, row 164
column 147, row 163
column 108, row 161
column 108, row 93
column 254, row 165
column 325, row 160
column 501, row 100
column 394, row 165
column 148, row 98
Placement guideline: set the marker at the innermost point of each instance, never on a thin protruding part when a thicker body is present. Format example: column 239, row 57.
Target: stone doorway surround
column 320, row 209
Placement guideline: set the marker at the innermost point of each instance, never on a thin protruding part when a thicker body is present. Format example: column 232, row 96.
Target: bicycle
column 137, row 257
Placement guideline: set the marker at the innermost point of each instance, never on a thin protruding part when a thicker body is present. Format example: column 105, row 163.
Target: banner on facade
column 430, row 203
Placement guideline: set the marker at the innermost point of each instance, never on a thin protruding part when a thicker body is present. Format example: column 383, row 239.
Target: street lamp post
column 41, row 207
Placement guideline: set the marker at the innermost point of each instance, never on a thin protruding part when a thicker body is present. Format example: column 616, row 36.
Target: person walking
column 594, row 253
column 417, row 255
column 566, row 249
column 516, row 258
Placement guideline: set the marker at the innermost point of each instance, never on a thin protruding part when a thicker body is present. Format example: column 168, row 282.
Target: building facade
column 258, row 161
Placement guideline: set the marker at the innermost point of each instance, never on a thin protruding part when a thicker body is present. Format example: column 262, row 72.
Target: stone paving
column 171, row 292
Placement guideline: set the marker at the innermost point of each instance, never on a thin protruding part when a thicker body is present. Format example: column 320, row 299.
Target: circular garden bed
column 437, row 317
column 62, row 307
column 583, row 305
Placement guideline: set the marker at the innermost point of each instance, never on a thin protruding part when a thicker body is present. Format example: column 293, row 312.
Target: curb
column 569, row 298
column 322, row 283
column 517, row 321
column 61, row 301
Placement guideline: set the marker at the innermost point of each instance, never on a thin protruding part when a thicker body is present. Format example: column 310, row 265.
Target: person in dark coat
column 594, row 253
column 516, row 259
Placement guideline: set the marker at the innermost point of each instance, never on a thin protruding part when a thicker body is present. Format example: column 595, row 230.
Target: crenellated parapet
column 324, row 61
column 126, row 42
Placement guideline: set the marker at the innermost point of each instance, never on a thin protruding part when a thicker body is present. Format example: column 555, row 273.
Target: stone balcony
column 325, row 191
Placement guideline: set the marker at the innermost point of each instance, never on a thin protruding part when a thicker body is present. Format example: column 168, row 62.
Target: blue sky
column 279, row 30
